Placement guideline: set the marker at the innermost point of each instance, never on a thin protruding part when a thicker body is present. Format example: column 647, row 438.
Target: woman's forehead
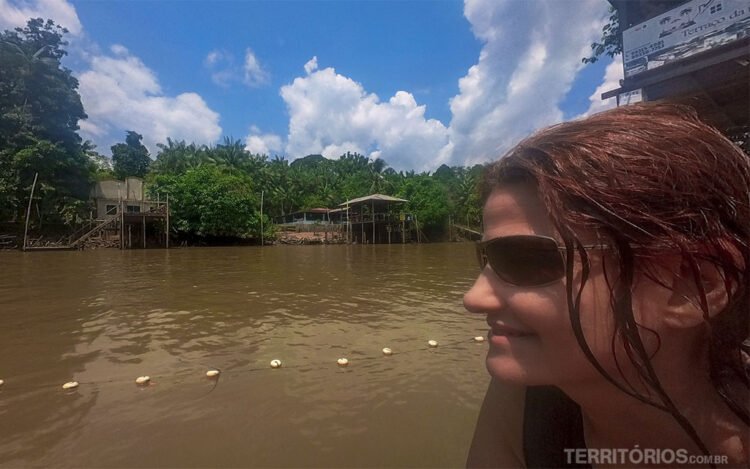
column 516, row 209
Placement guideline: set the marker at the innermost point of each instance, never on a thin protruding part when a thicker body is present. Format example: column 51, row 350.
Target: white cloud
column 531, row 55
column 612, row 76
column 220, row 63
column 331, row 114
column 119, row 49
column 121, row 93
column 224, row 70
column 213, row 57
column 311, row 65
column 255, row 75
column 263, row 144
column 15, row 13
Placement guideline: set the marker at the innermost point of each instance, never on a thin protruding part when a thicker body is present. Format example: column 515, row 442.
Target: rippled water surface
column 105, row 317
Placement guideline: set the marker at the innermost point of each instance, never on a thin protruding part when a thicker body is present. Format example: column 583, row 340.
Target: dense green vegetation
column 217, row 189
column 39, row 113
column 214, row 191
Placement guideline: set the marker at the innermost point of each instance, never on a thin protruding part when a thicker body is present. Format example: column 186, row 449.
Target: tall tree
column 39, row 112
column 130, row 158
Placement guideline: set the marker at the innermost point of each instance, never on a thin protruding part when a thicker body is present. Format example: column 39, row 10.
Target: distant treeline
column 214, row 191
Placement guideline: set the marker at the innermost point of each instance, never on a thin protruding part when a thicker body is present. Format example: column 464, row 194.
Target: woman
column 615, row 268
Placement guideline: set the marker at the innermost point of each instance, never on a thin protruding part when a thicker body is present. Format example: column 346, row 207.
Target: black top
column 552, row 422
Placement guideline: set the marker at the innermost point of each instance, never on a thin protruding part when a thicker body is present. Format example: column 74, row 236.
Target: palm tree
column 378, row 181
column 231, row 153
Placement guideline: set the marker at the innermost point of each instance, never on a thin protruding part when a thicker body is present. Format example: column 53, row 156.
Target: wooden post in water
column 144, row 231
column 261, row 218
column 372, row 204
column 28, row 211
column 122, row 225
column 167, row 220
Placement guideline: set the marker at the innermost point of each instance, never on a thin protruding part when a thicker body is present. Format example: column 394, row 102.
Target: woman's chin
column 508, row 370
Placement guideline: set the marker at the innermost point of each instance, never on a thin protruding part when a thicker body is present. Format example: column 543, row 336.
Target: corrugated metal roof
column 373, row 197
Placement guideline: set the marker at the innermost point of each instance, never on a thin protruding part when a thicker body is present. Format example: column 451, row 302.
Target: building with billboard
column 691, row 51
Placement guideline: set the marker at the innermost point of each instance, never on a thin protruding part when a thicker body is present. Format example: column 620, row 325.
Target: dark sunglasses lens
column 526, row 260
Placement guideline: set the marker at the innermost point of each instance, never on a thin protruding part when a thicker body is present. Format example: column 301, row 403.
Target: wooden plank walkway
column 467, row 229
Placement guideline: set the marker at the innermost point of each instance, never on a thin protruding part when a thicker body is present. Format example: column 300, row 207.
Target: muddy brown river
column 105, row 317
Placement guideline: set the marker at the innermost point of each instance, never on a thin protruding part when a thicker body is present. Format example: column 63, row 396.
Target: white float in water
column 342, row 361
column 275, row 363
column 479, row 338
column 70, row 385
column 2, row 382
column 212, row 373
column 432, row 343
column 142, row 380
column 387, row 351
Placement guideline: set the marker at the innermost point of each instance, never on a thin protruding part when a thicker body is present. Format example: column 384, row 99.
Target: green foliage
column 63, row 185
column 428, row 201
column 208, row 201
column 39, row 112
column 130, row 158
column 611, row 40
column 215, row 191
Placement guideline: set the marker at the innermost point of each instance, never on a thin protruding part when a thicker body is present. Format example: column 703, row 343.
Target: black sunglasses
column 525, row 260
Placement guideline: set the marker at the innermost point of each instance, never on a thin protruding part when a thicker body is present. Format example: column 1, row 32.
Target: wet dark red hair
column 649, row 178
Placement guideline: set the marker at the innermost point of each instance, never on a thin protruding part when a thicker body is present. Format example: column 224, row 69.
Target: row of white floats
column 214, row 374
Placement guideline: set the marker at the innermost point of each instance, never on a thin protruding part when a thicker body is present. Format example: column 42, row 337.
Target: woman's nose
column 483, row 297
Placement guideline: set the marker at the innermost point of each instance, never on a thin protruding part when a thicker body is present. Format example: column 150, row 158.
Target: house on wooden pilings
column 378, row 219
column 124, row 214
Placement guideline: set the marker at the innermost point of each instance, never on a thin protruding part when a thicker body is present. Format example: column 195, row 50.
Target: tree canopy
column 39, row 112
column 130, row 158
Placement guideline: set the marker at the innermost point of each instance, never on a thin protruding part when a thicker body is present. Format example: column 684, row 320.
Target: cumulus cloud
column 224, row 70
column 331, row 114
column 263, row 144
column 15, row 13
column 612, row 76
column 531, row 54
column 119, row 93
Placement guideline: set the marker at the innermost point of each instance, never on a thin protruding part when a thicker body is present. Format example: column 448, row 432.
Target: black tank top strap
column 552, row 423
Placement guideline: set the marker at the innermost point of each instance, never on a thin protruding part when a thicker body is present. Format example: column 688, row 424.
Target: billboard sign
column 692, row 27
column 630, row 97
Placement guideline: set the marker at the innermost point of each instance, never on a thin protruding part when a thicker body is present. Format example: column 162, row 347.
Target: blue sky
column 415, row 83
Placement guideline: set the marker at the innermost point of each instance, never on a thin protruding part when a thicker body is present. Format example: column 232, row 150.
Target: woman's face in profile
column 531, row 339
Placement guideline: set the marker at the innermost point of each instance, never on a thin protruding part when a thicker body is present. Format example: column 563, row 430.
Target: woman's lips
column 508, row 331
